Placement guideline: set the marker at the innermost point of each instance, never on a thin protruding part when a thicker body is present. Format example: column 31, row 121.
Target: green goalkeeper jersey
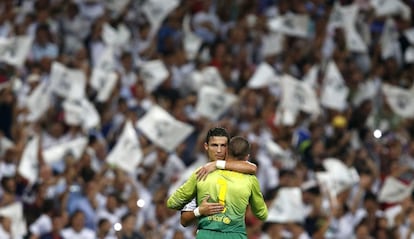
column 234, row 190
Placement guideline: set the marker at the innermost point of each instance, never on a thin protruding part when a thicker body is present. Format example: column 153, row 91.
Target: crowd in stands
column 84, row 196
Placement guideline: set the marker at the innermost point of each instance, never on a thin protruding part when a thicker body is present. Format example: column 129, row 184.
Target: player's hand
column 210, row 208
column 205, row 170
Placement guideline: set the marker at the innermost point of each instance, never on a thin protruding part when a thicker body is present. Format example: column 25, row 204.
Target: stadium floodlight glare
column 117, row 227
column 377, row 133
column 140, row 203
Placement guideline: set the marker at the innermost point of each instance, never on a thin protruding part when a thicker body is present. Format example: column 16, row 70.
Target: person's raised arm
column 240, row 166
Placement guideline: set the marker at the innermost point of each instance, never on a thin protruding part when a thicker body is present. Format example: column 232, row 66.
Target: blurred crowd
column 86, row 197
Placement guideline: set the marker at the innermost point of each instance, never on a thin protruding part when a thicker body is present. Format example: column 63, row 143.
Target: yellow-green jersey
column 234, row 190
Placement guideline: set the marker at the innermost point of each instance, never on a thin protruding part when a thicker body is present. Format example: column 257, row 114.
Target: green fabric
column 207, row 234
column 235, row 190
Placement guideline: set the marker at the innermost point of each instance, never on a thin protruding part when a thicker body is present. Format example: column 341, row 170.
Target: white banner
column 192, row 42
column 57, row 152
column 157, row 10
column 127, row 153
column 153, row 73
column 338, row 177
column 298, row 95
column 334, row 91
column 29, row 163
column 14, row 211
column 15, row 50
column 38, row 102
column 394, row 191
column 287, row 207
column 390, row 8
column 213, row 103
column 263, row 76
column 82, row 113
column 290, row 24
column 104, row 83
column 116, row 38
column 400, row 100
column 67, row 83
column 163, row 129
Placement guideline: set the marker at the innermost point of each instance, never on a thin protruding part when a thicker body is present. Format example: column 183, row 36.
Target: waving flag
column 334, row 91
column 400, row 100
column 14, row 50
column 29, row 163
column 212, row 102
column 263, row 76
column 153, row 73
column 163, row 129
column 127, row 153
column 287, row 207
column 290, row 24
column 394, row 191
column 57, row 152
column 66, row 82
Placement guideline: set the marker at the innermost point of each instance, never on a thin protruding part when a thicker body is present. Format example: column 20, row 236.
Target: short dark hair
column 239, row 147
column 217, row 131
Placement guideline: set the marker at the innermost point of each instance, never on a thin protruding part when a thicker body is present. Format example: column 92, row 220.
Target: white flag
column 212, row 102
column 14, row 211
column 340, row 176
column 274, row 149
column 107, row 61
column 366, row 91
column 290, row 24
column 192, row 42
column 81, row 112
column 38, row 101
column 345, row 17
column 298, row 95
column 263, row 76
column 409, row 34
column 115, row 37
column 334, row 91
column 157, row 10
column 287, row 207
column 400, row 100
column 391, row 8
column 272, row 44
column 66, row 82
column 394, row 191
column 153, row 73
column 127, row 153
column 14, row 50
column 116, row 6
column 104, row 83
column 208, row 76
column 163, row 129
column 311, row 77
column 389, row 39
column 409, row 55
column 57, row 152
column 29, row 163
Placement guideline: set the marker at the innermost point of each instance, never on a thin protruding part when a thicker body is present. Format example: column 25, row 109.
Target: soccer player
column 235, row 191
column 215, row 144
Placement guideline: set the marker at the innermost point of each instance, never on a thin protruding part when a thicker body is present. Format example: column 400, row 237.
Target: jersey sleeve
column 257, row 202
column 184, row 194
column 189, row 207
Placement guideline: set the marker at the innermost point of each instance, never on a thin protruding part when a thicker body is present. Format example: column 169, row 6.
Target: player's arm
column 184, row 194
column 233, row 165
column 257, row 202
column 191, row 212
